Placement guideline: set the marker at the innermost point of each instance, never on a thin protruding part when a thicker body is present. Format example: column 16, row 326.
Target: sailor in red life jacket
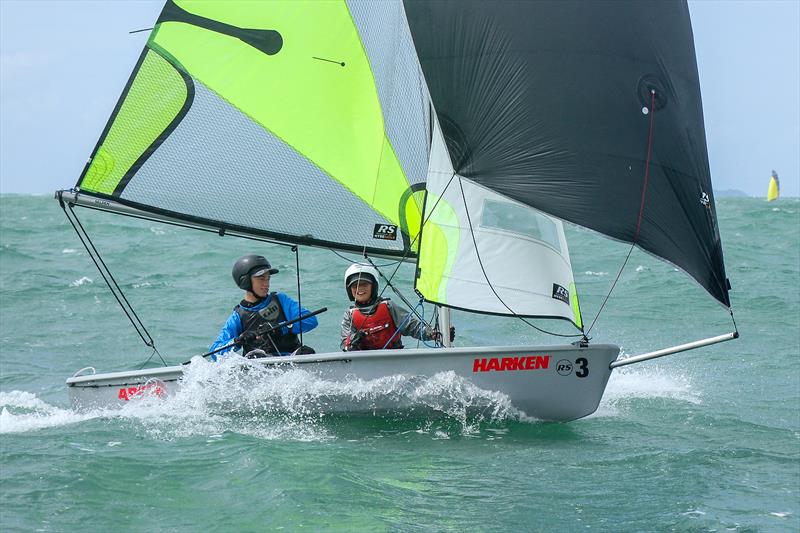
column 372, row 323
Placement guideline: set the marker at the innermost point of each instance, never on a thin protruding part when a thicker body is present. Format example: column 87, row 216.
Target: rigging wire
column 422, row 225
column 395, row 290
column 350, row 261
column 402, row 259
column 296, row 250
column 105, row 272
column 486, row 277
column 405, row 254
column 735, row 328
column 641, row 205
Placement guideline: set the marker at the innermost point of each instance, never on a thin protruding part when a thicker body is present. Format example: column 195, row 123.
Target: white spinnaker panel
column 483, row 252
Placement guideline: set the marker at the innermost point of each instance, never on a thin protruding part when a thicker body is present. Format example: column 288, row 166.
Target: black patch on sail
column 560, row 293
column 386, row 232
column 269, row 42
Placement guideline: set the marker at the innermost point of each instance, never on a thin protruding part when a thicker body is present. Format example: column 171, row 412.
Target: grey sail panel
column 239, row 174
column 549, row 103
column 398, row 80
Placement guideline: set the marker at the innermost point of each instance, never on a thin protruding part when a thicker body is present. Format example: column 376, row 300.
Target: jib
column 501, row 364
column 126, row 393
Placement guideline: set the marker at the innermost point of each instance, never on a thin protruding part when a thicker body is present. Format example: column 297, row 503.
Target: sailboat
column 454, row 135
column 774, row 189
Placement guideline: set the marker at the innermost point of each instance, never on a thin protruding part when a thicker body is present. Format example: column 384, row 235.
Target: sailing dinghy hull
column 558, row 383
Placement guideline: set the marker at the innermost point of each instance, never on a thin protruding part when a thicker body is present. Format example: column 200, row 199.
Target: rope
column 414, row 240
column 402, row 259
column 116, row 291
column 641, row 205
column 735, row 328
column 486, row 277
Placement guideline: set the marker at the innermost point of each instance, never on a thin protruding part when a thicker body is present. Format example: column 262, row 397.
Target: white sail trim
column 509, row 258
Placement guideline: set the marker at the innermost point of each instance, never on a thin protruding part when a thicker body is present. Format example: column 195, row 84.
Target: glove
column 436, row 336
column 354, row 342
column 248, row 337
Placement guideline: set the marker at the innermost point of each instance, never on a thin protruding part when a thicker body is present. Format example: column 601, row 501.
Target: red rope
column 641, row 210
column 647, row 162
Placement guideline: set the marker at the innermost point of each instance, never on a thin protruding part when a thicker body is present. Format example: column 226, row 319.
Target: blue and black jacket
column 277, row 307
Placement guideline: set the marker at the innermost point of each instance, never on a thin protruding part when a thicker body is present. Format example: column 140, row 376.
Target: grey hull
column 558, row 383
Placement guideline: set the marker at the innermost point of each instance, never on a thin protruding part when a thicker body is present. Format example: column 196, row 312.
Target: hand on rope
column 437, row 335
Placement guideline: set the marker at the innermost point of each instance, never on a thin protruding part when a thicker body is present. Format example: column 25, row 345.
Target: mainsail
column 447, row 132
column 774, row 190
column 304, row 122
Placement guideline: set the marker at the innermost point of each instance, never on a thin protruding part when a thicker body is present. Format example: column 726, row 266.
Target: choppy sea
column 707, row 440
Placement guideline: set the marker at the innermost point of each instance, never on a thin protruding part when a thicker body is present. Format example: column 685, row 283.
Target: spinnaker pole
column 674, row 349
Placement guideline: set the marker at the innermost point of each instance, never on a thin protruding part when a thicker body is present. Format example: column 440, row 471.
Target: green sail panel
column 301, row 74
column 151, row 104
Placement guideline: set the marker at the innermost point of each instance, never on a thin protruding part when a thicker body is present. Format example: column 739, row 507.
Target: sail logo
column 385, row 232
column 502, row 364
column 560, row 293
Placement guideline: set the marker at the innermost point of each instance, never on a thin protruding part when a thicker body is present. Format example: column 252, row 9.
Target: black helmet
column 250, row 265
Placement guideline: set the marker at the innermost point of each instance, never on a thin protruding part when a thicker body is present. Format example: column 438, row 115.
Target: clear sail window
column 520, row 220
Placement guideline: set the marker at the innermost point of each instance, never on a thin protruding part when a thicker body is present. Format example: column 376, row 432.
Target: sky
column 63, row 64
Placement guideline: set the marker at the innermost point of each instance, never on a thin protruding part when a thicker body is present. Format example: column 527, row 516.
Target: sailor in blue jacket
column 259, row 310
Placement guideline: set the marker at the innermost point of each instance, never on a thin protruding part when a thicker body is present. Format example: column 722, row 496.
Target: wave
column 651, row 382
column 290, row 404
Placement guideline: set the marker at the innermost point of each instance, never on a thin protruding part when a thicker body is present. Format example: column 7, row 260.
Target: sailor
column 261, row 309
column 374, row 323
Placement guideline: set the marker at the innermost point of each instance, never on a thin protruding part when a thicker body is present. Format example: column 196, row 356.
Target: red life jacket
column 376, row 329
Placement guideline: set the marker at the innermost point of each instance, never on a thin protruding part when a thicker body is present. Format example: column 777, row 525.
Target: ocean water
column 707, row 440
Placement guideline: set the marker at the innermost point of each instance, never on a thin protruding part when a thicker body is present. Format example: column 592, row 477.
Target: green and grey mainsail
column 447, row 132
column 301, row 121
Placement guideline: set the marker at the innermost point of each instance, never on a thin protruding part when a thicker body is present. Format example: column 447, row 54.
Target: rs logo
column 564, row 367
column 385, row 231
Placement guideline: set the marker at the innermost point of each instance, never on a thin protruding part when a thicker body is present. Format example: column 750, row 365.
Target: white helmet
column 358, row 271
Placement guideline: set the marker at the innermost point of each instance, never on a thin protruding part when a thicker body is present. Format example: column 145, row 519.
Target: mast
column 444, row 325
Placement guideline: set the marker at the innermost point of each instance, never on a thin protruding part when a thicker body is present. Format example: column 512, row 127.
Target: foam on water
column 646, row 382
column 241, row 396
column 22, row 411
column 243, row 386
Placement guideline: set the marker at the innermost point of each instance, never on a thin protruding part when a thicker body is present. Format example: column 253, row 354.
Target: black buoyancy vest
column 271, row 314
